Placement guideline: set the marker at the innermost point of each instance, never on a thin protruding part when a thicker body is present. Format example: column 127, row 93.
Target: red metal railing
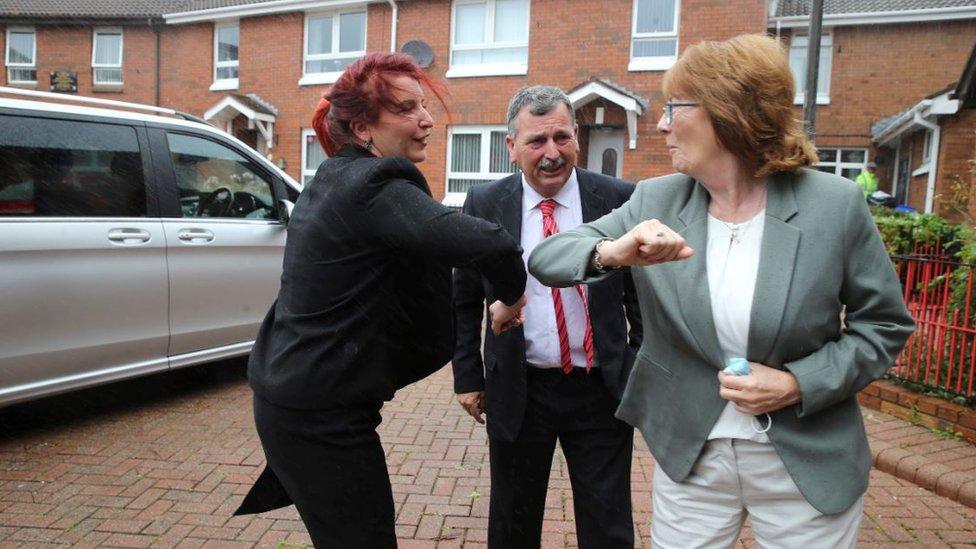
column 938, row 291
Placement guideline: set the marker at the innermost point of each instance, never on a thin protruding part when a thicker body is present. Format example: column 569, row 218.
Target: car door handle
column 129, row 236
column 195, row 236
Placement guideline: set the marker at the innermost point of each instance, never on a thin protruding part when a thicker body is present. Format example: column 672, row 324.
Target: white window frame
column 926, row 162
column 487, row 69
column 313, row 78
column 108, row 30
column 826, row 39
column 839, row 166
column 306, row 132
column 225, row 83
column 653, row 63
column 32, row 65
column 456, row 198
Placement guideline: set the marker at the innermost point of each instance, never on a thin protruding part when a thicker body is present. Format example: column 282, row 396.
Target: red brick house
column 878, row 61
column 257, row 68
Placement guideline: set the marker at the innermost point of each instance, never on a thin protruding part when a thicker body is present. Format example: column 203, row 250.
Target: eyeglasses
column 671, row 105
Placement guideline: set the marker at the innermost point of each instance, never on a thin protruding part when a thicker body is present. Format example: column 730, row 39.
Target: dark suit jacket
column 612, row 303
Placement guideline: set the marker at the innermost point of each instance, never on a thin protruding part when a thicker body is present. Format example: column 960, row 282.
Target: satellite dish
column 420, row 51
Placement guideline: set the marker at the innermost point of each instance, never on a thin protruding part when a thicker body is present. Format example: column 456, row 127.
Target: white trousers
column 733, row 479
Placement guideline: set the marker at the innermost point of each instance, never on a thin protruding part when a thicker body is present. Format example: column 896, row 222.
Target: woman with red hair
column 365, row 304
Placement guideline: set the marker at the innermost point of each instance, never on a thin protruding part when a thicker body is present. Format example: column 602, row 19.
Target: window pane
column 329, row 65
column 655, row 47
column 352, row 31
column 609, row 163
column 320, row 34
column 215, row 181
column 21, row 48
column 228, row 40
column 655, row 16
column 57, row 168
column 466, row 153
column 798, row 64
column 108, row 76
column 21, row 75
column 108, row 49
column 469, row 24
column 827, row 155
column 314, row 155
column 491, row 55
column 498, row 161
column 224, row 73
column 511, row 20
column 462, row 185
column 852, row 155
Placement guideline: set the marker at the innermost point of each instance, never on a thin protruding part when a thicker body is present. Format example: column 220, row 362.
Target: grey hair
column 540, row 100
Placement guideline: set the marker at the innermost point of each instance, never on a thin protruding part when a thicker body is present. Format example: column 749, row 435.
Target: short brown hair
column 746, row 87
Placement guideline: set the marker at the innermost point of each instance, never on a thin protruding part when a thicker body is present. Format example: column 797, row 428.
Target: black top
column 365, row 301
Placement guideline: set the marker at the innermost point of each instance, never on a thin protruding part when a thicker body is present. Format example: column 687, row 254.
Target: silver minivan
column 130, row 243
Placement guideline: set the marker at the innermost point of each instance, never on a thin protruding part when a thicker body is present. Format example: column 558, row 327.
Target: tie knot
column 547, row 206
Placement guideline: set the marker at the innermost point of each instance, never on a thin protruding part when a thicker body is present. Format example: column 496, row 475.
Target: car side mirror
column 285, row 212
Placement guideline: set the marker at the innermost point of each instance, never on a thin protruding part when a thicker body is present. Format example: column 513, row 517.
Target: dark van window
column 61, row 168
column 216, row 181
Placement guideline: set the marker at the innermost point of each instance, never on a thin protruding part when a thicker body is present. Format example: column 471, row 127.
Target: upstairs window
column 21, row 56
column 226, row 43
column 332, row 42
column 107, row 57
column 489, row 37
column 654, row 36
column 798, row 64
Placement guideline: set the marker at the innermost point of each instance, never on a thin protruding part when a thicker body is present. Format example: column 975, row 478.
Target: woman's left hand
column 764, row 390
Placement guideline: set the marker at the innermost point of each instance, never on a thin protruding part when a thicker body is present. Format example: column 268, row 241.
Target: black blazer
column 365, row 301
column 612, row 303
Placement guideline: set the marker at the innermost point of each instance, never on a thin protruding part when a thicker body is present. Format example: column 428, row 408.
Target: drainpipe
column 933, row 159
column 393, row 24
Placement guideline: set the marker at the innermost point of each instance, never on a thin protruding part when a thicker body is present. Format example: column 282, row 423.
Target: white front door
column 606, row 151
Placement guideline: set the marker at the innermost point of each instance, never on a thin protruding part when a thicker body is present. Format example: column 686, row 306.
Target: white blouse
column 733, row 263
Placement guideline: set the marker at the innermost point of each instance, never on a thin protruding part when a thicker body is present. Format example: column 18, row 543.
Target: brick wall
column 880, row 70
column 69, row 48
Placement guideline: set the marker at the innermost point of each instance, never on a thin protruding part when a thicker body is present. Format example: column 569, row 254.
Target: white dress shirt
column 541, row 336
column 732, row 268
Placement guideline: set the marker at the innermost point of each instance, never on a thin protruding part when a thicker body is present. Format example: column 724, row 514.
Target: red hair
column 359, row 94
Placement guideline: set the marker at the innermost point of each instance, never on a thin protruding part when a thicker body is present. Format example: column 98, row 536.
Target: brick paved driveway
column 163, row 461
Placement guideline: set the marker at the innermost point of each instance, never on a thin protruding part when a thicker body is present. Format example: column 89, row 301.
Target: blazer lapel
column 594, row 205
column 691, row 275
column 776, row 263
column 510, row 207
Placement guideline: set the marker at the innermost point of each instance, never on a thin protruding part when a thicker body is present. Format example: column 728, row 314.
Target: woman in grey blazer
column 746, row 261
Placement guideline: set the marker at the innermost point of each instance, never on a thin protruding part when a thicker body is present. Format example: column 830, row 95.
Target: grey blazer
column 820, row 252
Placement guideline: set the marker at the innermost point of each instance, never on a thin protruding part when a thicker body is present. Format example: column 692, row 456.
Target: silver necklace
column 736, row 230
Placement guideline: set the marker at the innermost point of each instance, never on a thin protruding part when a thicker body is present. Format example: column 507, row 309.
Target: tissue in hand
column 737, row 367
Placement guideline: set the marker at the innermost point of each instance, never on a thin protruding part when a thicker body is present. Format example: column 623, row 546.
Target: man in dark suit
column 560, row 373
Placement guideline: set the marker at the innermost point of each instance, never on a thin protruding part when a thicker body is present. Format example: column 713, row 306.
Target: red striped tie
column 549, row 228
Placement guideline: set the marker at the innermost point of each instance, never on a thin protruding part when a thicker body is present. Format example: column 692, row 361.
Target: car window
column 62, row 168
column 216, row 181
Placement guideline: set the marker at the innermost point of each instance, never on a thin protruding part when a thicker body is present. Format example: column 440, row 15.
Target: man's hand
column 764, row 390
column 504, row 317
column 474, row 404
column 648, row 243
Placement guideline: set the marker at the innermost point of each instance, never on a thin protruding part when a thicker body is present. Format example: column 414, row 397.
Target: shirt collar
column 566, row 196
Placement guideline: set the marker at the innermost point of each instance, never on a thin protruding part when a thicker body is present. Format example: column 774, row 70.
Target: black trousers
column 577, row 409
column 332, row 465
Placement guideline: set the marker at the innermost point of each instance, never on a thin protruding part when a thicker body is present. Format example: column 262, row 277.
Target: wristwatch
column 595, row 259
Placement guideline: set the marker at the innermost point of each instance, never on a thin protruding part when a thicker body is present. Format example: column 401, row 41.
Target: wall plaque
column 64, row 81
